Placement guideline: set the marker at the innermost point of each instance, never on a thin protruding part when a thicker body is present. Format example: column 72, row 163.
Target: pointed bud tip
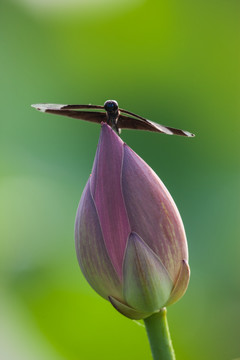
column 108, row 133
column 105, row 126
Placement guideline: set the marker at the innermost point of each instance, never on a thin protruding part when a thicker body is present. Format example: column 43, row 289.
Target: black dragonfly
column 114, row 116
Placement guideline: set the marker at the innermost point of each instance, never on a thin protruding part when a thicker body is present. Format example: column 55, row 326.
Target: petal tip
column 181, row 283
column 126, row 310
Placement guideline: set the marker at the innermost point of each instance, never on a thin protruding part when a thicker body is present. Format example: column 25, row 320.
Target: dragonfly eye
column 110, row 105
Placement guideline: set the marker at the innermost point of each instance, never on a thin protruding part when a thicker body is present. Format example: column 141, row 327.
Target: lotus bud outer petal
column 106, row 189
column 127, row 310
column 152, row 212
column 146, row 282
column 181, row 284
column 91, row 252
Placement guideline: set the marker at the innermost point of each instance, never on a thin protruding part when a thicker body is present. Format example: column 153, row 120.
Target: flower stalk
column 159, row 336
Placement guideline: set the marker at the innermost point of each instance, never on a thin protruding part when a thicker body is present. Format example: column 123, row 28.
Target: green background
column 174, row 62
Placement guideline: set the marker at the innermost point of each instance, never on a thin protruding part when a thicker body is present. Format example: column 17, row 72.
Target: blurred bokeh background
column 175, row 62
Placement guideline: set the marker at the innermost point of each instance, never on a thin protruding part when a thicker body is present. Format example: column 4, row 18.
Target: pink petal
column 107, row 194
column 91, row 252
column 152, row 212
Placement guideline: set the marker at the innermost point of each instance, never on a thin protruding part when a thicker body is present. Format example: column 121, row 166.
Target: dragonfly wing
column 92, row 116
column 126, row 122
column 44, row 107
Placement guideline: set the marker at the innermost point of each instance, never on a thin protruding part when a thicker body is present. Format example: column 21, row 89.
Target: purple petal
column 127, row 310
column 146, row 282
column 181, row 284
column 91, row 252
column 152, row 212
column 107, row 194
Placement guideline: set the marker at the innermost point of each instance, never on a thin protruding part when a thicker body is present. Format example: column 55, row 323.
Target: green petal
column 146, row 282
column 181, row 284
column 127, row 310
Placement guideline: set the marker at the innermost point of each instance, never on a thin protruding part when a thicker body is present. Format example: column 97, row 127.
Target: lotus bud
column 130, row 240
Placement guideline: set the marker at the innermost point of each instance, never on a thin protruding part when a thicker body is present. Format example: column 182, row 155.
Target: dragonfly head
column 111, row 106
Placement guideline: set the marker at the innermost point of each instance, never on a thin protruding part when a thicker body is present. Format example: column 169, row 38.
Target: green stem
column 159, row 336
